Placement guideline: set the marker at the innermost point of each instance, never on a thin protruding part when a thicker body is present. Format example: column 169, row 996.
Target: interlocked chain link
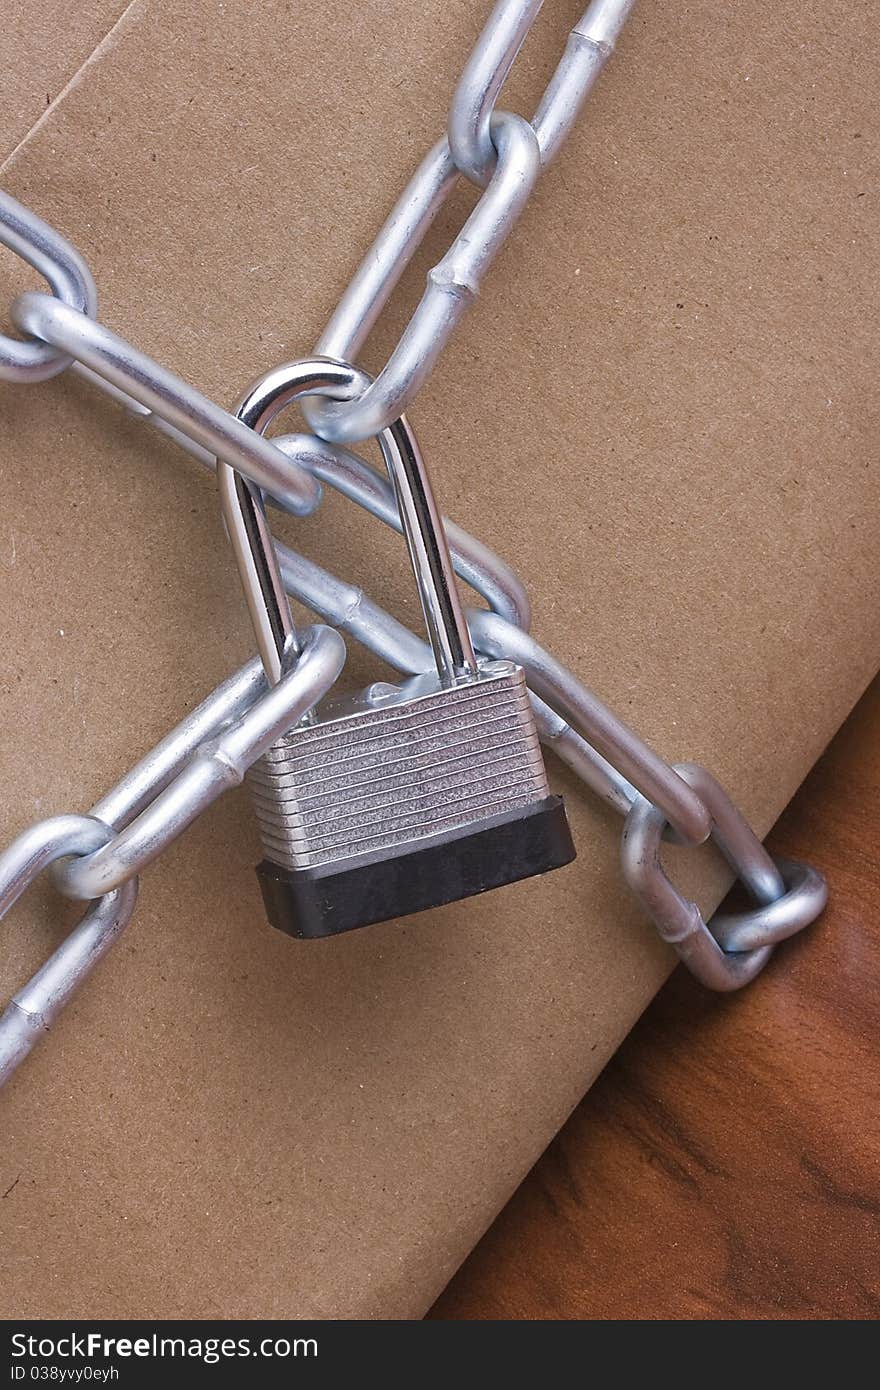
column 589, row 44
column 496, row 150
column 97, row 857
column 32, row 1011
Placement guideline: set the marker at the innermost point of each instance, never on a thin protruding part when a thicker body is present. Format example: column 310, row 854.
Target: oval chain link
column 453, row 284
column 590, row 44
column 31, row 1012
column 69, row 277
column 504, row 155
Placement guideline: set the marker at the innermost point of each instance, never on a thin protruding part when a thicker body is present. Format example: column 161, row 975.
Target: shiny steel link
column 453, row 284
column 244, row 514
column 497, row 150
column 805, row 897
column 623, row 748
column 67, row 273
column 32, row 1010
column 484, row 74
column 160, row 390
column 679, row 922
column 247, row 526
column 354, row 478
column 353, row 612
column 35, row 849
column 225, row 706
column 589, row 45
column 216, row 765
column 474, row 562
column 150, row 806
column 789, row 896
column 213, row 746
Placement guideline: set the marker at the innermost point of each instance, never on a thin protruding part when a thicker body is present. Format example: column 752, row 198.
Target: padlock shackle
column 429, row 554
column 250, row 536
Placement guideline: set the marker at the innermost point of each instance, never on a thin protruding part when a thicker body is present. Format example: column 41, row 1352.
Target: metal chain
column 99, row 855
column 496, row 150
column 197, row 775
column 31, row 1012
column 589, row 44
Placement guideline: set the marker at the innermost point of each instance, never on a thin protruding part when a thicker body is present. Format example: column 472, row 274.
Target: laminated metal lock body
column 408, row 797
column 416, row 802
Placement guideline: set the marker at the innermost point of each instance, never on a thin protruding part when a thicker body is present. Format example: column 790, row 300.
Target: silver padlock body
column 384, row 779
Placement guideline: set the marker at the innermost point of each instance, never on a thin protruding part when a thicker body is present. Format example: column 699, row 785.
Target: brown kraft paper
column 661, row 411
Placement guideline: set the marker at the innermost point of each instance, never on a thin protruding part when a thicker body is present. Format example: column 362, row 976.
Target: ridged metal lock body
column 388, row 778
column 420, row 794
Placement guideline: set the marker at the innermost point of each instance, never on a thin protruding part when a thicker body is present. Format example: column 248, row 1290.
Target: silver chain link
column 498, row 151
column 98, row 856
column 589, row 44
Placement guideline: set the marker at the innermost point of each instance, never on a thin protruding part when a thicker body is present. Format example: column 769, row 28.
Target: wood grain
column 725, row 1164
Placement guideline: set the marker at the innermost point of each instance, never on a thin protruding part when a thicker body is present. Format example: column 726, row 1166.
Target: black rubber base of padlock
column 352, row 893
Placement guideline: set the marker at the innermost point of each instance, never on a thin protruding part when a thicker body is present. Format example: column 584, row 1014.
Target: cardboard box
column 660, row 412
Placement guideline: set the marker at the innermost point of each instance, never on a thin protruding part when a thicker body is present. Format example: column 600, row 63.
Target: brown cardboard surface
column 44, row 46
column 663, row 411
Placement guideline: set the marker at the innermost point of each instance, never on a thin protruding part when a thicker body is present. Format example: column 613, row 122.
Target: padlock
column 407, row 797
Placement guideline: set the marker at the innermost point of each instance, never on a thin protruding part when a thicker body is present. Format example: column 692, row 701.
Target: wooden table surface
column 725, row 1164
